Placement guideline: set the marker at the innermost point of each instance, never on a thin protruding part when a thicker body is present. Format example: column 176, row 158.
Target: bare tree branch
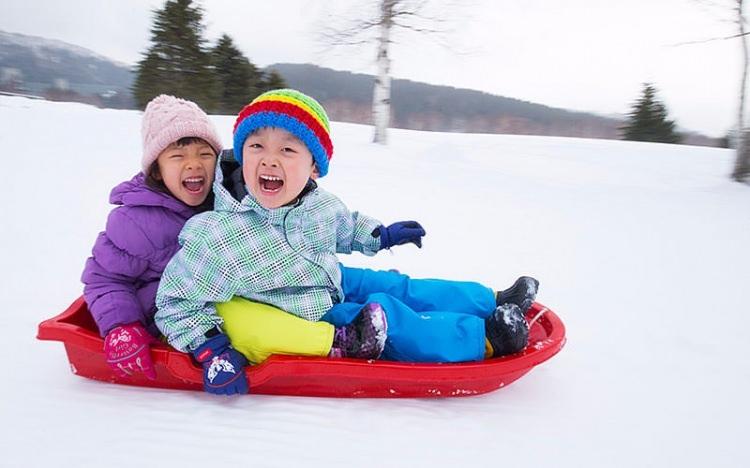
column 391, row 16
column 409, row 27
column 713, row 39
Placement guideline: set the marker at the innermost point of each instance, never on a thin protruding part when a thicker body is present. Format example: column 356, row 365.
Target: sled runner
column 314, row 376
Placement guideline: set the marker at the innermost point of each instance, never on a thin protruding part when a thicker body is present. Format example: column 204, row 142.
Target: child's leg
column 258, row 330
column 507, row 331
column 419, row 294
column 434, row 336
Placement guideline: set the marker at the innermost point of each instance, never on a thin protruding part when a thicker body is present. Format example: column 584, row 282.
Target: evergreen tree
column 238, row 79
column 177, row 62
column 647, row 121
column 273, row 80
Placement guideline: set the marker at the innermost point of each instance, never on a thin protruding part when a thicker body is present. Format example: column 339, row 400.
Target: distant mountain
column 60, row 71
column 348, row 98
column 56, row 70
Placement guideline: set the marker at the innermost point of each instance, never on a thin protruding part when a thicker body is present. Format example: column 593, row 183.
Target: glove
column 399, row 233
column 127, row 350
column 223, row 367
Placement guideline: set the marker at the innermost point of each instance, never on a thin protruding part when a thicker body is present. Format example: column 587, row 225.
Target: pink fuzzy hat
column 167, row 119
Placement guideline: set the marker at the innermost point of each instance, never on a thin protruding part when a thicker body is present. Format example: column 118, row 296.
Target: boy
column 273, row 238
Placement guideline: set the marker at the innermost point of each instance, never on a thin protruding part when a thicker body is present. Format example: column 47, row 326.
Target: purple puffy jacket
column 122, row 275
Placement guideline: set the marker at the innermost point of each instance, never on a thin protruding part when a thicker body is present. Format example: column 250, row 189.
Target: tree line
column 180, row 62
column 222, row 80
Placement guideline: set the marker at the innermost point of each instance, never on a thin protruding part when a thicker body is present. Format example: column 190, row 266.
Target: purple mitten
column 127, row 350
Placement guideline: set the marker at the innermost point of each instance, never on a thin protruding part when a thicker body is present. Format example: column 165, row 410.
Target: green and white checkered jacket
column 285, row 257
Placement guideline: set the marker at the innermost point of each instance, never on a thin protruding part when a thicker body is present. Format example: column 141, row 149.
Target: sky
column 590, row 55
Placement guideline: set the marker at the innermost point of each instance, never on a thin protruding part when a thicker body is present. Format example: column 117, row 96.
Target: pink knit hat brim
column 166, row 120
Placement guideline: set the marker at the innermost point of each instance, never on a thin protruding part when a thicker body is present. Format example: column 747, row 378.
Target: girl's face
column 276, row 166
column 188, row 171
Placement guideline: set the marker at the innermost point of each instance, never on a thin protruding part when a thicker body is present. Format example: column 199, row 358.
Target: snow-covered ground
column 642, row 249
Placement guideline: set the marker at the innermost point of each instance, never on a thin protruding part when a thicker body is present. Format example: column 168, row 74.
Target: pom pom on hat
column 293, row 111
column 168, row 119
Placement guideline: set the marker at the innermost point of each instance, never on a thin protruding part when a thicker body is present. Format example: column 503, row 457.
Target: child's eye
column 207, row 155
column 288, row 149
column 175, row 156
column 254, row 145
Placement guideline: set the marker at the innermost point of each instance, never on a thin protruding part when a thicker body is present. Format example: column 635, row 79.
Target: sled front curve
column 314, row 376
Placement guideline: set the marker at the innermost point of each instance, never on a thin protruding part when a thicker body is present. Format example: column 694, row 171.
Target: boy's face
column 276, row 166
column 188, row 171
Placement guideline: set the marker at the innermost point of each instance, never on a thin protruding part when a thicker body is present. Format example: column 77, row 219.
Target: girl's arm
column 109, row 279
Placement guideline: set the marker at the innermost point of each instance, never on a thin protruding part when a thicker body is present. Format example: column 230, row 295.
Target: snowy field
column 642, row 249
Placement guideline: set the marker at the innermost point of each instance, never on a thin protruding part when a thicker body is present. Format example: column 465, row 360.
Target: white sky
column 588, row 55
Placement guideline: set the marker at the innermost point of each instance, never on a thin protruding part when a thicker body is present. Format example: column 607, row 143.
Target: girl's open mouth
column 270, row 183
column 194, row 184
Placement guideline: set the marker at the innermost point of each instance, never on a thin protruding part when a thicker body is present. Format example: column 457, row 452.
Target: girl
column 180, row 148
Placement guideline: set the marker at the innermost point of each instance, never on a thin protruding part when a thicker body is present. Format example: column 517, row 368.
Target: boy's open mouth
column 270, row 183
column 194, row 184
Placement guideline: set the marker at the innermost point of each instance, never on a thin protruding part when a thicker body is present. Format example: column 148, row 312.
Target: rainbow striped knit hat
column 295, row 112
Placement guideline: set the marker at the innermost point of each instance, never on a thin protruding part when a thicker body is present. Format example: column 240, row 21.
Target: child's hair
column 154, row 180
column 168, row 119
column 293, row 111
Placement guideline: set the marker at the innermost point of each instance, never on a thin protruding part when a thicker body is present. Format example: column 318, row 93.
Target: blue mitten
column 399, row 233
column 223, row 367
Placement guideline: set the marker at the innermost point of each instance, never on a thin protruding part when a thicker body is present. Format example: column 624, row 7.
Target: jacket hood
column 135, row 192
column 229, row 187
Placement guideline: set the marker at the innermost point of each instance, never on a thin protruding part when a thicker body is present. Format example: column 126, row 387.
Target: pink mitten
column 127, row 350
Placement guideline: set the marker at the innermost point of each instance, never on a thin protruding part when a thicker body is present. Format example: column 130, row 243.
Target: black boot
column 522, row 293
column 506, row 330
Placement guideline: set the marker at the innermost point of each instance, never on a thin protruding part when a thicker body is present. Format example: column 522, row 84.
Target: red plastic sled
column 307, row 376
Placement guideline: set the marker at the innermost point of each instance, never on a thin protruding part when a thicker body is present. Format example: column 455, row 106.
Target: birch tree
column 741, row 171
column 742, row 162
column 391, row 16
column 381, row 95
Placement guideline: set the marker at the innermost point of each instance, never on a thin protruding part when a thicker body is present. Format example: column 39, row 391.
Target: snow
column 641, row 249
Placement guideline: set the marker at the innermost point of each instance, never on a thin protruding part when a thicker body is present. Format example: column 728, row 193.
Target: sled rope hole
column 538, row 314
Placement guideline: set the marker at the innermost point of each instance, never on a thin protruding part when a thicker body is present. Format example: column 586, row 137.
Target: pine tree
column 647, row 121
column 177, row 62
column 238, row 79
column 273, row 80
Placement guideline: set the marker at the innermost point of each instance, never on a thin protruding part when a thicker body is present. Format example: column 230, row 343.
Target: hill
column 64, row 72
column 622, row 235
column 420, row 106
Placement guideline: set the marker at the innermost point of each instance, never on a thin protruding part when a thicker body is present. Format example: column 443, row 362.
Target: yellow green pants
column 259, row 330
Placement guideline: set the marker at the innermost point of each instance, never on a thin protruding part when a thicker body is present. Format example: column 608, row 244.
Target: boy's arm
column 354, row 232
column 194, row 280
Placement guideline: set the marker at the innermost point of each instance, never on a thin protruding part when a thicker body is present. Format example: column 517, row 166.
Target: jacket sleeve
column 109, row 278
column 354, row 232
column 194, row 280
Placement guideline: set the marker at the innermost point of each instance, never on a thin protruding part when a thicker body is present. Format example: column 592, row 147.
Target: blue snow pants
column 429, row 320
